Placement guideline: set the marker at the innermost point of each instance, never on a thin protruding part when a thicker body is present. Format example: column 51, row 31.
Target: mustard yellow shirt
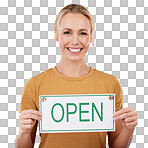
column 51, row 82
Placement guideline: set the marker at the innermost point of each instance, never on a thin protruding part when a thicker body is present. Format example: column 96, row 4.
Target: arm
column 23, row 140
column 126, row 120
column 28, row 126
column 123, row 139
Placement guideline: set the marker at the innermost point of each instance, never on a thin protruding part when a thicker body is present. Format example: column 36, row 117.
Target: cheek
column 86, row 41
column 63, row 41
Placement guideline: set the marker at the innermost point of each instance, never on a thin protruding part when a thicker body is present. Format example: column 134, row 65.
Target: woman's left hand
column 128, row 117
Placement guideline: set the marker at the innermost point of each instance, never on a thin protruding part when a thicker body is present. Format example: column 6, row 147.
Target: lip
column 74, row 47
column 74, row 53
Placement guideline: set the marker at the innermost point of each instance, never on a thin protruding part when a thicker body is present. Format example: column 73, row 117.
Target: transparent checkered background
column 27, row 48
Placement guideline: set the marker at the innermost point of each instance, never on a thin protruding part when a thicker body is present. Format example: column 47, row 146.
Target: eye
column 67, row 32
column 83, row 33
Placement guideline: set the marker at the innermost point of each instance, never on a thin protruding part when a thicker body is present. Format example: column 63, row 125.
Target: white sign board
column 77, row 113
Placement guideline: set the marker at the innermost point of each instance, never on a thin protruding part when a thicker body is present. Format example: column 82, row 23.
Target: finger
column 123, row 116
column 32, row 112
column 31, row 116
column 131, row 124
column 29, row 121
column 130, row 119
column 27, row 126
column 124, row 110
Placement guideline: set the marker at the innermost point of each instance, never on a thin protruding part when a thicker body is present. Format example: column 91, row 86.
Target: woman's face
column 74, row 36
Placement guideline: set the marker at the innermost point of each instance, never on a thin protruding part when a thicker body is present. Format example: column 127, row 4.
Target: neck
column 73, row 68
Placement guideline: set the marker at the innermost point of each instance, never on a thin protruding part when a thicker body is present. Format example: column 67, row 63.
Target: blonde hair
column 75, row 8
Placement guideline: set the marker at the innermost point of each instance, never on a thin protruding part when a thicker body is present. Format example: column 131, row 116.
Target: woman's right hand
column 27, row 120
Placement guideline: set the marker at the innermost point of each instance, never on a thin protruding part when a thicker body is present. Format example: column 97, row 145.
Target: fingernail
column 114, row 119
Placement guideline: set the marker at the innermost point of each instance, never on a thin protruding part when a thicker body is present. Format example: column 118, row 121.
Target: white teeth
column 74, row 50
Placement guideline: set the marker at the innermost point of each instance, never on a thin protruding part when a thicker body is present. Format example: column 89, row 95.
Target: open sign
column 77, row 113
column 68, row 113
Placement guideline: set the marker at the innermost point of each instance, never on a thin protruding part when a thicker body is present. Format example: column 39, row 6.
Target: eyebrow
column 79, row 30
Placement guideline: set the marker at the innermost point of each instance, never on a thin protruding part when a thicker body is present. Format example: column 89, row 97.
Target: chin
column 75, row 59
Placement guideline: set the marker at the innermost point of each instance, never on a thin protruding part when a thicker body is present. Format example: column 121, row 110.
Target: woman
column 74, row 30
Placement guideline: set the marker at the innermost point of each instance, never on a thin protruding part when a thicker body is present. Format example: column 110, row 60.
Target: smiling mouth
column 74, row 50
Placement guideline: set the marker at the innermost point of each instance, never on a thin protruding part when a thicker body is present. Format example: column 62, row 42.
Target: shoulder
column 106, row 80
column 104, row 74
column 39, row 77
column 105, row 77
column 43, row 74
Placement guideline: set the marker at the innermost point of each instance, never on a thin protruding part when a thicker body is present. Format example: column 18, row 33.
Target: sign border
column 76, row 130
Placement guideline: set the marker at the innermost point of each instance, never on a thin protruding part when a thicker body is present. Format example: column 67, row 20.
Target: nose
column 75, row 39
